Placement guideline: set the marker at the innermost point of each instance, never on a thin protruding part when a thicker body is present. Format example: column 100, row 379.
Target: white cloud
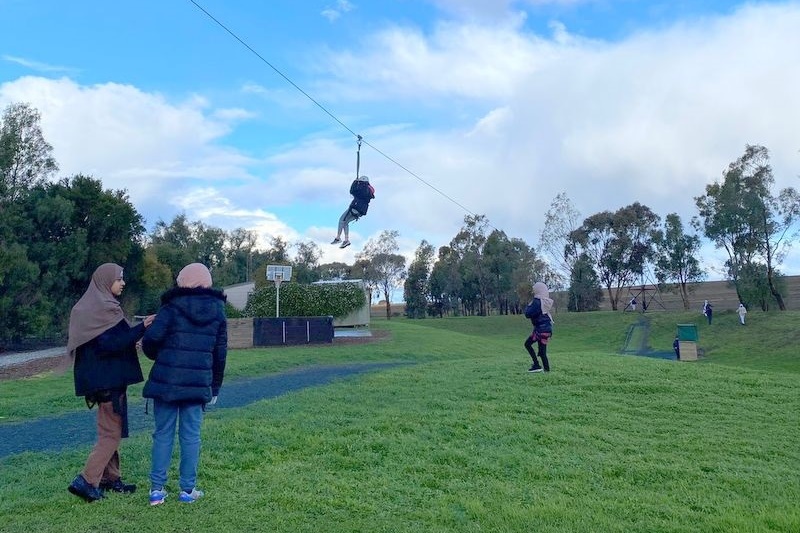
column 652, row 118
column 131, row 139
column 333, row 13
column 37, row 65
column 503, row 121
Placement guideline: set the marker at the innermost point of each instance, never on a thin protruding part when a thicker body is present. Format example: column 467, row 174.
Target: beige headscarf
column 541, row 291
column 194, row 275
column 98, row 309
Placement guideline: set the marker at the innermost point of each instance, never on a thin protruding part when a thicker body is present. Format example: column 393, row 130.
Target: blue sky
column 500, row 105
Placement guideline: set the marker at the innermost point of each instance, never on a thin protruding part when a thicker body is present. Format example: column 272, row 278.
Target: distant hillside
column 719, row 293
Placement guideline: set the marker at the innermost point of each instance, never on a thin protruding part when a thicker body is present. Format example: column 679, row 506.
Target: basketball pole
column 278, row 296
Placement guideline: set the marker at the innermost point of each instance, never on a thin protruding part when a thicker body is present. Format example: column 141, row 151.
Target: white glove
column 213, row 400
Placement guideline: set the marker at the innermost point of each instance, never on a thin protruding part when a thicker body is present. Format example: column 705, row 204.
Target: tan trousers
column 103, row 461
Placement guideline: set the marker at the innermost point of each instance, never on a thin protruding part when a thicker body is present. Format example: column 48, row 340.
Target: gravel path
column 12, row 359
column 78, row 428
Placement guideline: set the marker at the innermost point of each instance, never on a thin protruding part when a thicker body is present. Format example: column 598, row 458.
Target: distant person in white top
column 742, row 311
column 632, row 304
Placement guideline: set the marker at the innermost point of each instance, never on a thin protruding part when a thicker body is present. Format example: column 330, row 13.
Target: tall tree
column 415, row 288
column 741, row 215
column 468, row 246
column 26, row 158
column 306, row 262
column 618, row 244
column 560, row 220
column 336, row 271
column 585, row 292
column 387, row 268
column 445, row 284
column 676, row 257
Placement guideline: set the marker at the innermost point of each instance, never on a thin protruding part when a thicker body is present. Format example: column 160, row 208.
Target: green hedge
column 297, row 299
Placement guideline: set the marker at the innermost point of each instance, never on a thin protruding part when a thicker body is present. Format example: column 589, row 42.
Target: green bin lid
column 687, row 332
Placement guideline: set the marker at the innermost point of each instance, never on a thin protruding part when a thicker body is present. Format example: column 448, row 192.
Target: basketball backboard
column 279, row 273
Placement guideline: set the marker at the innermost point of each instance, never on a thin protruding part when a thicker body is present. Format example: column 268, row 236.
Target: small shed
column 359, row 317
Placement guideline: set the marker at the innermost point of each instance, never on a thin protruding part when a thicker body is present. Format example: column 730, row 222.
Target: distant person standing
column 708, row 311
column 632, row 304
column 742, row 311
column 538, row 311
column 676, row 345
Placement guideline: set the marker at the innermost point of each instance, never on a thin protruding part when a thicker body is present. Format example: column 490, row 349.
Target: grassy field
column 464, row 439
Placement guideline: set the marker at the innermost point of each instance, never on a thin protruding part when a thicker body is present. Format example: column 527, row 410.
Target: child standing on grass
column 539, row 313
column 188, row 342
column 708, row 311
column 742, row 311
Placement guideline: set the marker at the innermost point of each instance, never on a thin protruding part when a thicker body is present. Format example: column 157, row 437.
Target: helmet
column 363, row 178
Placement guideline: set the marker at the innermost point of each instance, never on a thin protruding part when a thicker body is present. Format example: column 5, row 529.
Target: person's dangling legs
column 344, row 226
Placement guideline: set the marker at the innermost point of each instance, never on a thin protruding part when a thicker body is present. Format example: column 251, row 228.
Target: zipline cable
column 325, row 110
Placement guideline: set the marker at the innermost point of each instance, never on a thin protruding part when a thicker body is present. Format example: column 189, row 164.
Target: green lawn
column 466, row 440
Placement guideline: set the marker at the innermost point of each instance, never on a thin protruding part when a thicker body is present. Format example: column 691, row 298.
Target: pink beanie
column 194, row 275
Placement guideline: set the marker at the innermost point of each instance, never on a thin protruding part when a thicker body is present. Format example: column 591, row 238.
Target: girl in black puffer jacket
column 188, row 342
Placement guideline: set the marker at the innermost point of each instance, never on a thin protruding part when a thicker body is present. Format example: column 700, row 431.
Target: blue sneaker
column 157, row 496
column 191, row 496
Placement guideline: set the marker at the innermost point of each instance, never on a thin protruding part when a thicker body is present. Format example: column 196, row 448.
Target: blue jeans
column 189, row 417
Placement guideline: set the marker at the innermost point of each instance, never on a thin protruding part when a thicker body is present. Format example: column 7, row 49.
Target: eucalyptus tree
column 383, row 267
column 468, row 245
column 306, row 261
column 445, row 283
column 741, row 215
column 26, row 158
column 676, row 257
column 618, row 245
column 560, row 220
column 415, row 288
column 584, row 291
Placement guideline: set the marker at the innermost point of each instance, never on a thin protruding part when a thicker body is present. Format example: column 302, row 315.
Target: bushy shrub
column 297, row 299
column 232, row 312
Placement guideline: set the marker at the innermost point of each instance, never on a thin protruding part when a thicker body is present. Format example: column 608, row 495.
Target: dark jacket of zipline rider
column 362, row 193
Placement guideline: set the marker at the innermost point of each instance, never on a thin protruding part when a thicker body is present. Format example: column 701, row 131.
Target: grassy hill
column 463, row 439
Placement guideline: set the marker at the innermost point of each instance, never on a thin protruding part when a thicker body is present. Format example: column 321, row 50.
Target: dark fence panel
column 292, row 330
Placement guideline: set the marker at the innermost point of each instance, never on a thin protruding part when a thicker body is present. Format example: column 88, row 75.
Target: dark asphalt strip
column 76, row 429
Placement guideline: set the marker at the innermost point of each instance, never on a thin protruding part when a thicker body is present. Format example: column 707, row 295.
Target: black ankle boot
column 83, row 489
column 118, row 486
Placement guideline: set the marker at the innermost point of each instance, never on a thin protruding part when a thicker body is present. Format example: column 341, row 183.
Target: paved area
column 78, row 428
column 11, row 359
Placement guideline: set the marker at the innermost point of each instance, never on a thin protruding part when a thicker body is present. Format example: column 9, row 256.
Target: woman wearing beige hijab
column 102, row 347
column 539, row 313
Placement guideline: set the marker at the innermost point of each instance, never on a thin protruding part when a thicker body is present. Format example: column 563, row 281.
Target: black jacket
column 188, row 341
column 362, row 193
column 542, row 322
column 109, row 361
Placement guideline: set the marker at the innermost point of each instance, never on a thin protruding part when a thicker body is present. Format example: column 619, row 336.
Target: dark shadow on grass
column 76, row 429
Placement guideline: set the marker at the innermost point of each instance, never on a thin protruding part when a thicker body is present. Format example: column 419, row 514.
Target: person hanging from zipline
column 362, row 193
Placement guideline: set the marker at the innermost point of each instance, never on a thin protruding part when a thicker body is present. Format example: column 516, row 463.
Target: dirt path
column 78, row 428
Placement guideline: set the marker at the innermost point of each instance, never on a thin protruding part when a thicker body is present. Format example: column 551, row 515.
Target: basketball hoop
column 278, row 274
